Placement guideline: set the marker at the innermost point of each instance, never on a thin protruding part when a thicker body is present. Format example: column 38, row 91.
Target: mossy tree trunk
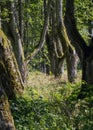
column 6, row 119
column 54, row 46
column 10, row 82
column 11, row 72
column 11, row 28
column 68, row 49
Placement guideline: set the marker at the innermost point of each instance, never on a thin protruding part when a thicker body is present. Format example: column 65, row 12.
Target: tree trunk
column 56, row 63
column 20, row 14
column 0, row 17
column 59, row 64
column 87, row 71
column 6, row 119
column 71, row 60
column 10, row 75
column 51, row 52
column 66, row 45
column 87, row 78
column 16, row 39
column 10, row 82
column 54, row 46
column 84, row 52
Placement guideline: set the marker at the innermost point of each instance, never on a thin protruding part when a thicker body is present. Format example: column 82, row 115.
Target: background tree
column 58, row 44
column 54, row 45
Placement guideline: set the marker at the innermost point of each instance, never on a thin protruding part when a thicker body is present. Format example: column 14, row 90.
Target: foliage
column 40, row 61
column 84, row 14
column 50, row 104
column 33, row 19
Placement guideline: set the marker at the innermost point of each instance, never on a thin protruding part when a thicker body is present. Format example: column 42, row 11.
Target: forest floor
column 45, row 85
column 52, row 104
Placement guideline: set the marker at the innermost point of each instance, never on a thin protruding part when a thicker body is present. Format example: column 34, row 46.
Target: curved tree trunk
column 84, row 52
column 11, row 78
column 68, row 49
column 43, row 34
column 10, row 82
column 76, row 40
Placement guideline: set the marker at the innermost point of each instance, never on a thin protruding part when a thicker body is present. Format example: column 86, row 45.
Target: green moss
column 5, row 110
column 4, row 39
column 9, row 64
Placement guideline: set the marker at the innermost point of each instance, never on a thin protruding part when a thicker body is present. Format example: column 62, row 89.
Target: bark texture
column 10, row 75
column 10, row 82
column 6, row 119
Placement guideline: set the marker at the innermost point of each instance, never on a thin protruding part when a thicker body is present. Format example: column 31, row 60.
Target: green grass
column 52, row 104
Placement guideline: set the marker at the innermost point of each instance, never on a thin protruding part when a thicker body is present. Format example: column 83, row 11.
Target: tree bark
column 6, row 119
column 71, row 61
column 10, row 82
column 72, row 32
column 10, row 75
column 0, row 17
column 20, row 14
column 16, row 39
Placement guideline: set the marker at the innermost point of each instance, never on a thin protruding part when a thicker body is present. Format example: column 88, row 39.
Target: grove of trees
column 43, row 35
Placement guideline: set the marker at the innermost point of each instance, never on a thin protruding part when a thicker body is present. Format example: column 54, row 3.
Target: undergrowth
column 50, row 104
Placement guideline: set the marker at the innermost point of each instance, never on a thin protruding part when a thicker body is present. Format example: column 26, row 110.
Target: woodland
column 46, row 64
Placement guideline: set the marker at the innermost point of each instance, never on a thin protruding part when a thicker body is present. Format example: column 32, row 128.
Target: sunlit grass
column 45, row 85
column 52, row 104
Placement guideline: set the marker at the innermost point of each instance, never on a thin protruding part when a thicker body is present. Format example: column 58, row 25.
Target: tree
column 58, row 44
column 68, row 49
column 54, row 46
column 17, row 37
column 10, row 81
column 84, row 51
column 10, row 25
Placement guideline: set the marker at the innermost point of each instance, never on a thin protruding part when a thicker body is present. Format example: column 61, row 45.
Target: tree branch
column 43, row 34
